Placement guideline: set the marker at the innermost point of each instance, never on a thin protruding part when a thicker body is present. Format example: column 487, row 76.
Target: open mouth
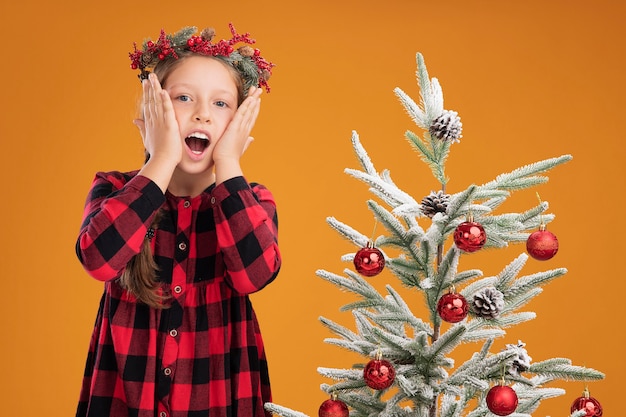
column 197, row 142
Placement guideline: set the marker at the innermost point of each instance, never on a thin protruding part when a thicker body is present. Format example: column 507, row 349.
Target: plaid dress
column 202, row 356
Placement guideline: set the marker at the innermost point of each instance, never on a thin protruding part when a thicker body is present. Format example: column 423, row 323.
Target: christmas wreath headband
column 254, row 69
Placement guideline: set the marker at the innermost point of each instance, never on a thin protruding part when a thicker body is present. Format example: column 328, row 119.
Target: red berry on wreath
column 379, row 374
column 501, row 400
column 591, row 406
column 369, row 261
column 542, row 244
column 452, row 307
column 333, row 408
column 470, row 236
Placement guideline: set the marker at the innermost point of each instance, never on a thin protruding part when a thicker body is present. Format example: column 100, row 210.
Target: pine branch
column 459, row 200
column 391, row 194
column 406, row 314
column 432, row 156
column 412, row 108
column 349, row 346
column 362, row 156
column 452, row 406
column 396, row 342
column 480, row 367
column 508, row 274
column 514, row 179
column 348, row 232
column 339, row 329
column 360, row 401
column 534, row 212
column 482, row 334
column 366, row 329
column 391, row 406
column 526, row 283
column 390, row 222
column 416, row 390
column 341, row 374
column 548, row 363
column 408, row 271
column 530, row 397
column 444, row 276
column 468, row 275
column 361, row 305
column 445, row 343
column 519, row 300
column 566, row 372
column 282, row 411
column 430, row 91
column 510, row 320
column 355, row 384
column 476, row 286
column 469, row 367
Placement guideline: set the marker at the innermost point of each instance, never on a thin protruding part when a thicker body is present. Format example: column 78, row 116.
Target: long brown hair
column 140, row 275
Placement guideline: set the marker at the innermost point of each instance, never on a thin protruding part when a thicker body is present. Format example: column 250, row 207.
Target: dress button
column 212, row 200
column 173, row 333
column 178, row 289
column 167, row 371
column 182, row 246
column 162, row 414
column 187, row 204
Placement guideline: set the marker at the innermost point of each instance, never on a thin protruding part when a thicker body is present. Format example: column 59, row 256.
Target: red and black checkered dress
column 202, row 356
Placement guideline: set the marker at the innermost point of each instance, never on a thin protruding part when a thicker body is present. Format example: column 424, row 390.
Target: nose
column 202, row 113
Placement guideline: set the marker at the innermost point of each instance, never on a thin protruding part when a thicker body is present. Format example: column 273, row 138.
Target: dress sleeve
column 247, row 234
column 118, row 212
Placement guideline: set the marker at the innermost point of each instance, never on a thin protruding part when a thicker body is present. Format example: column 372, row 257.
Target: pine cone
column 488, row 303
column 207, row 34
column 435, row 202
column 447, row 127
column 521, row 362
column 245, row 50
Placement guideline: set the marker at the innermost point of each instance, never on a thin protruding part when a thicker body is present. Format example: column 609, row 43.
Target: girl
column 182, row 242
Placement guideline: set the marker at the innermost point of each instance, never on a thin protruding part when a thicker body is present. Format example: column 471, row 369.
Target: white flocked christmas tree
column 407, row 368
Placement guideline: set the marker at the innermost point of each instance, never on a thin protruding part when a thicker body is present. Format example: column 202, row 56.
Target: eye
column 221, row 103
column 183, row 98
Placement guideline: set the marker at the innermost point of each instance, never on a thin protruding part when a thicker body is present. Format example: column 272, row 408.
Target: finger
column 151, row 100
column 166, row 105
column 249, row 109
column 251, row 114
column 255, row 91
column 141, row 125
column 155, row 93
column 145, row 87
column 248, row 142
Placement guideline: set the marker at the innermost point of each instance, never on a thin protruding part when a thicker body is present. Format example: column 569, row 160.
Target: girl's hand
column 159, row 128
column 236, row 138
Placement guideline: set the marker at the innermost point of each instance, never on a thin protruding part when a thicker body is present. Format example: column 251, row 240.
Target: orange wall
column 530, row 80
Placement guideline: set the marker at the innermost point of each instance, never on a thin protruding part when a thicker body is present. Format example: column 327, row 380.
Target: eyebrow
column 186, row 85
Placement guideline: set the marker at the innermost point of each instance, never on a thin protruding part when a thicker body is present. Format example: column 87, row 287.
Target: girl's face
column 204, row 95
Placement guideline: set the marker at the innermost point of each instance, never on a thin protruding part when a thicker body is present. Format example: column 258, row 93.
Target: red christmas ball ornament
column 379, row 374
column 501, row 400
column 591, row 406
column 452, row 307
column 542, row 244
column 369, row 261
column 470, row 236
column 333, row 408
